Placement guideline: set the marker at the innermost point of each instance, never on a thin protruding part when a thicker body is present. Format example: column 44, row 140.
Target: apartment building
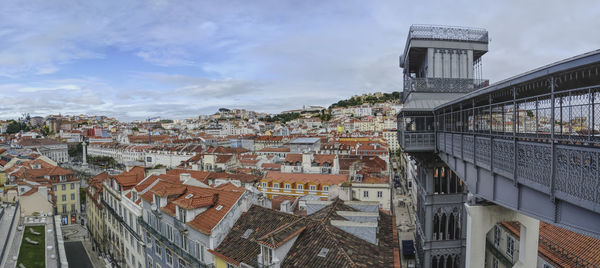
column 299, row 184
column 53, row 149
column 311, row 163
column 95, row 210
column 182, row 221
column 123, row 237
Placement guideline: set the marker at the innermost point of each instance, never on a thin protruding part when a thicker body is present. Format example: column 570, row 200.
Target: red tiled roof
column 275, row 149
column 562, row 246
column 293, row 158
column 305, row 178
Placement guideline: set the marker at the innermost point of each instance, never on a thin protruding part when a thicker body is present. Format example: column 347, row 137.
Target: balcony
column 417, row 141
column 445, row 85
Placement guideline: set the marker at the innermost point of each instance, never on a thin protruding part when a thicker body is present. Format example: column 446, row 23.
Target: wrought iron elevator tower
column 438, row 66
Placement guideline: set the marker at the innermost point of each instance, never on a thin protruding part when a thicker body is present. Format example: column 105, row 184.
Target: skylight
column 189, row 196
column 247, row 234
column 323, row 252
column 219, row 207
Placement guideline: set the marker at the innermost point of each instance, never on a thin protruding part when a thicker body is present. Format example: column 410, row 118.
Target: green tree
column 76, row 150
column 45, row 130
column 15, row 127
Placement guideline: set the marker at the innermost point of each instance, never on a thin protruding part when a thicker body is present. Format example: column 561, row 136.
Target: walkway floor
column 77, row 255
column 78, row 233
column 405, row 222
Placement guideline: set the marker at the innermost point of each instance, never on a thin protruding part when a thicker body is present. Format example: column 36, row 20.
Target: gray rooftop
column 306, row 140
column 426, row 101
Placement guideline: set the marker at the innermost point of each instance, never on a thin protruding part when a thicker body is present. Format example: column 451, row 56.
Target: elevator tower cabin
column 440, row 63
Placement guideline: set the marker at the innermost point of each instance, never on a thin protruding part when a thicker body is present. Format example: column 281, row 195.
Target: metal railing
column 449, row 33
column 420, row 141
column 447, row 85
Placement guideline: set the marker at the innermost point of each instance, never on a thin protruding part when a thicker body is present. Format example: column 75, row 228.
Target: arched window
column 434, row 262
column 449, row 261
column 443, row 222
column 436, row 227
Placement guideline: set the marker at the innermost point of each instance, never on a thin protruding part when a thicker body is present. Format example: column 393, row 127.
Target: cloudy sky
column 178, row 59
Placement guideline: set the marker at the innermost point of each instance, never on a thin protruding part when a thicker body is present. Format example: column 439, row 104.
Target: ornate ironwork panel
column 468, row 147
column 504, row 155
column 577, row 172
column 457, row 144
column 442, row 32
column 455, row 85
column 441, row 142
column 534, row 162
column 482, row 149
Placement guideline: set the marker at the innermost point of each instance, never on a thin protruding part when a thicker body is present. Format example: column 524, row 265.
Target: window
column 496, row 236
column 63, row 187
column 149, row 261
column 264, row 185
column 170, row 232
column 267, row 255
column 64, row 208
column 181, row 214
column 275, row 185
column 73, row 207
column 494, row 262
column 72, row 196
column 64, row 197
column 365, row 193
column 182, row 263
column 287, row 186
column 200, row 251
column 300, row 187
column 230, row 265
column 169, row 257
column 313, row 188
column 157, row 248
column 72, row 186
column 325, row 188
column 184, row 242
column 547, row 266
column 510, row 246
column 379, row 194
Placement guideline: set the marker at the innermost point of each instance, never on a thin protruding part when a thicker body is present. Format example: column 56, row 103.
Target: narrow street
column 78, row 247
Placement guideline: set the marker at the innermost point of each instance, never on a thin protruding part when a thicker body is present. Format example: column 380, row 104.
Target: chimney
column 184, row 177
column 306, row 159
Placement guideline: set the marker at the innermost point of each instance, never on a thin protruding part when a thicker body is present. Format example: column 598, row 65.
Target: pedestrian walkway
column 405, row 222
column 77, row 233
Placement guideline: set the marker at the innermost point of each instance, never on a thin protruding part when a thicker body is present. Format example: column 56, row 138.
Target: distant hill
column 368, row 98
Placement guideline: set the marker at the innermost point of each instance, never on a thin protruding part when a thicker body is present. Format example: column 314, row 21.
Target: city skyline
column 133, row 61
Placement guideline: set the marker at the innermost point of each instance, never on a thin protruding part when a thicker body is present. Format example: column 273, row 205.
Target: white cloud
column 264, row 55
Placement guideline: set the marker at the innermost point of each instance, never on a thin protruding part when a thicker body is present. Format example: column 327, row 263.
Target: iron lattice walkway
column 530, row 143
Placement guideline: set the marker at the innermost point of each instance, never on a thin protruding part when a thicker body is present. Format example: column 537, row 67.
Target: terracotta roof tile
column 305, row 178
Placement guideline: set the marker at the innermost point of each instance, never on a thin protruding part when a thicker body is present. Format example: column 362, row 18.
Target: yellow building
column 94, row 209
column 299, row 184
column 66, row 193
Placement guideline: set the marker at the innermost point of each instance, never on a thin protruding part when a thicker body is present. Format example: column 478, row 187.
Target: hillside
column 368, row 98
